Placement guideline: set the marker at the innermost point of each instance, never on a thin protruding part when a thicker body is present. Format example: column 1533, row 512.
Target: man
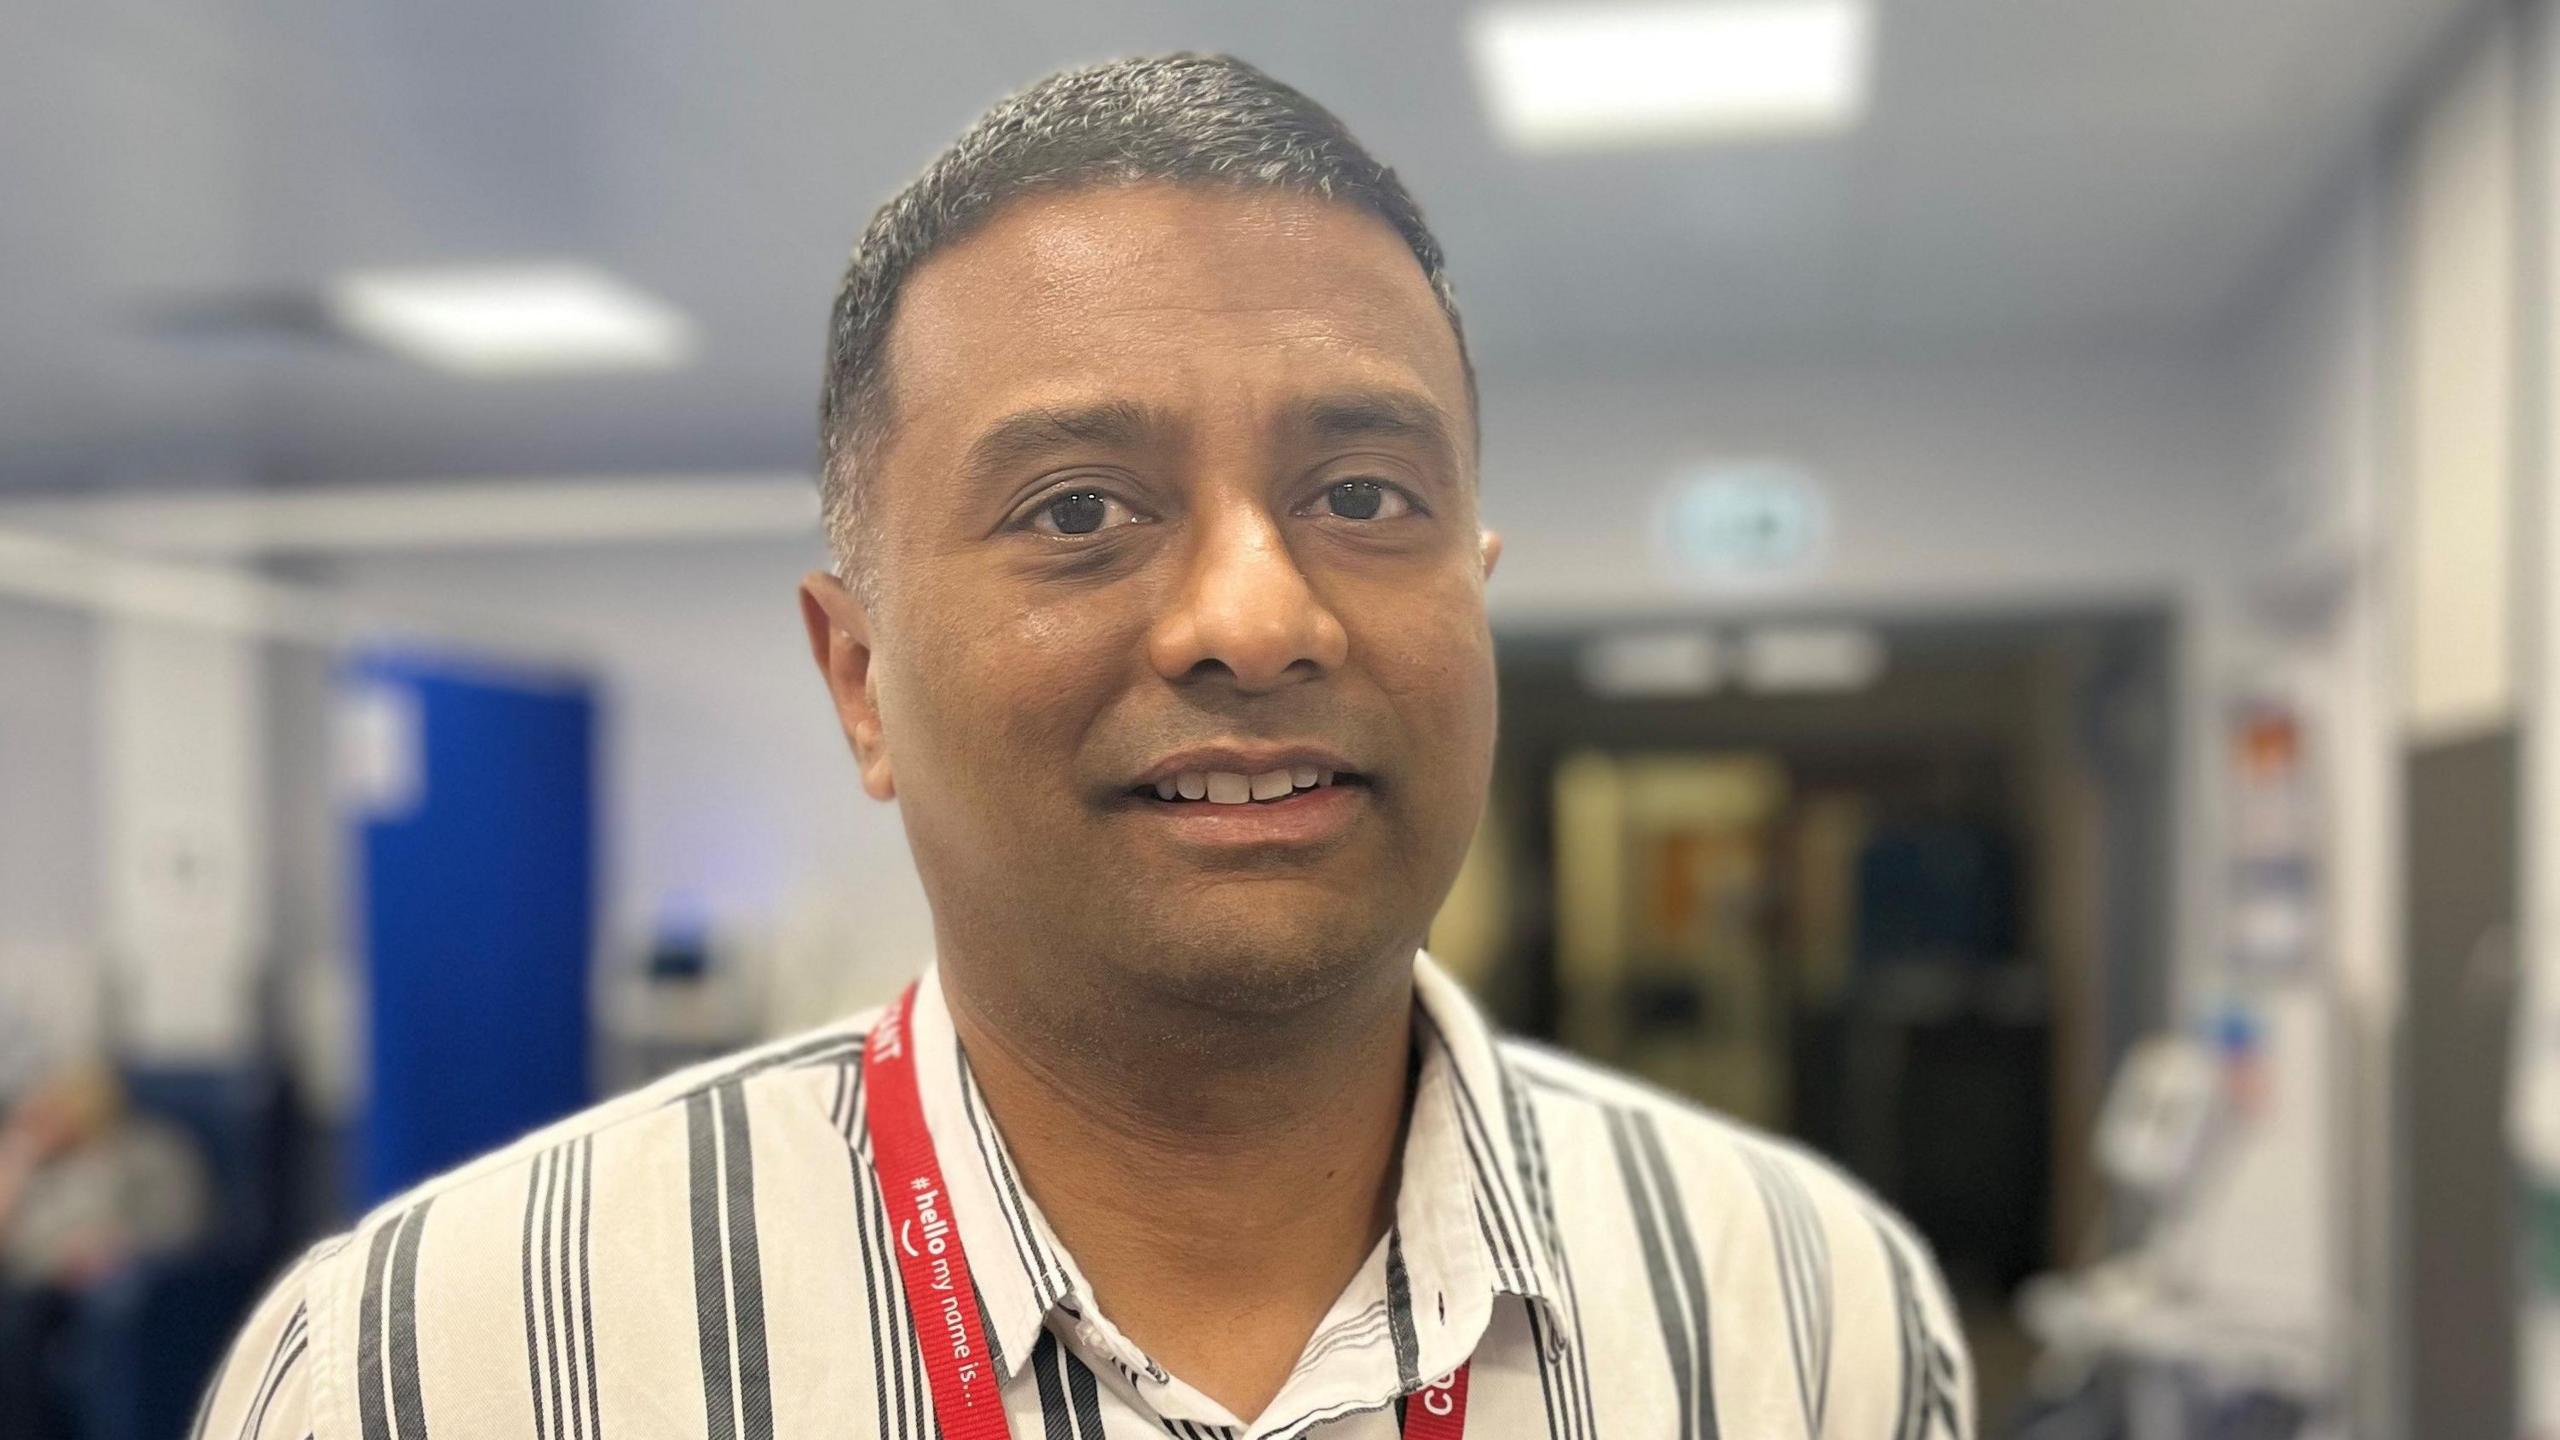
column 1151, row 466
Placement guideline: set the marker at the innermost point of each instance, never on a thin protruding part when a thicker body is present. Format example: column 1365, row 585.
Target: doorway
column 1898, row 888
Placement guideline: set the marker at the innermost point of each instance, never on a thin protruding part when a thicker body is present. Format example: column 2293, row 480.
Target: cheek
column 994, row 697
column 1433, row 656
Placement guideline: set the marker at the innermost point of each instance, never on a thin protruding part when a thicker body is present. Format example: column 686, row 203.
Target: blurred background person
column 88, row 1193
column 2025, row 646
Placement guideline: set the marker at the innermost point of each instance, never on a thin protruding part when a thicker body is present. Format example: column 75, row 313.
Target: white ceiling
column 2029, row 172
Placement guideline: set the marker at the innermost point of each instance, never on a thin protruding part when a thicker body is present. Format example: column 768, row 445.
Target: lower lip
column 1307, row 817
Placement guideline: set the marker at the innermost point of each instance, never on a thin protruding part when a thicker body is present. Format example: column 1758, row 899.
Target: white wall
column 134, row 897
column 2012, row 480
column 49, row 888
column 185, row 842
column 2319, row 599
column 2455, row 294
column 2300, row 1228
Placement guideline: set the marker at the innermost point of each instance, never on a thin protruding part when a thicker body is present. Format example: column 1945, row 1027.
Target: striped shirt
column 710, row 1258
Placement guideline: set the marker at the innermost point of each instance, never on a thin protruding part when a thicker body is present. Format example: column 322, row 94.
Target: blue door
column 477, row 855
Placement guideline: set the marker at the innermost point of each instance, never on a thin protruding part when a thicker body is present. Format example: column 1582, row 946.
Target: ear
column 840, row 641
column 1489, row 544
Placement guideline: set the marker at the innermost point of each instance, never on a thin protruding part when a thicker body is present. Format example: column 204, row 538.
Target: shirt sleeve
column 261, row 1390
column 1935, row 1396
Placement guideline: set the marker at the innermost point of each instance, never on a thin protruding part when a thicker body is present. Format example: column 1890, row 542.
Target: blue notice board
column 475, row 829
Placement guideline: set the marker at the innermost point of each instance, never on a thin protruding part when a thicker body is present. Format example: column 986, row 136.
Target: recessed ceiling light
column 1651, row 664
column 1781, row 659
column 511, row 320
column 1584, row 76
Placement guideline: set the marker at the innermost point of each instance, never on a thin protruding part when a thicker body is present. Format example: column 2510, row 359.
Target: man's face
column 1179, row 492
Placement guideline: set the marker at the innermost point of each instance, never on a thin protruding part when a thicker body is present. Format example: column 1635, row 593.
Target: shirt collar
column 1021, row 1270
column 1512, row 1209
column 1472, row 1215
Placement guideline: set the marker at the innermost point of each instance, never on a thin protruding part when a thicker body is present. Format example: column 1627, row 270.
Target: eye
column 1366, row 500
column 1079, row 512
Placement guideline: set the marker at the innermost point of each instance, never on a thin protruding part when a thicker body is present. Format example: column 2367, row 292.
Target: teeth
column 1227, row 787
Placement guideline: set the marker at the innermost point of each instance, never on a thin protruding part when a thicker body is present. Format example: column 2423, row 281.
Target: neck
column 1218, row 1193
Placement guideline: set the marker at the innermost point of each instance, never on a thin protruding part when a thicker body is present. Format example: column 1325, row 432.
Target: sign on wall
column 1755, row 521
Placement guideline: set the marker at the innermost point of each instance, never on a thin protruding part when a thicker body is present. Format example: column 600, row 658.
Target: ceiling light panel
column 511, row 320
column 1569, row 76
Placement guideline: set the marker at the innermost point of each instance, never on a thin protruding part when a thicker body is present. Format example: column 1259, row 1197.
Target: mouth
column 1217, row 788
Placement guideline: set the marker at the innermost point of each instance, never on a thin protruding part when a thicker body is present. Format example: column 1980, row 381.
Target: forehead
column 1200, row 301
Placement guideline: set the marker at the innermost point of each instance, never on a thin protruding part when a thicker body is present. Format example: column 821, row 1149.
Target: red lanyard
column 966, row 1403
column 1438, row 1411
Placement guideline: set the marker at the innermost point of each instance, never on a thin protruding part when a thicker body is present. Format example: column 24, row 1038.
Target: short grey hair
column 1183, row 118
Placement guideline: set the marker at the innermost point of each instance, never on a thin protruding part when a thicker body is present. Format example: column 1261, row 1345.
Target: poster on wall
column 2275, row 835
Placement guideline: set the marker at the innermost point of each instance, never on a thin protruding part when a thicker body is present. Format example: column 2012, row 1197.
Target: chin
column 1250, row 966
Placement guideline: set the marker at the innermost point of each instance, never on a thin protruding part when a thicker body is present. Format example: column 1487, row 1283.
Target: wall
column 2535, row 1114
column 2456, row 293
column 2384, row 422
column 1999, row 480
column 141, row 897
column 2454, row 300
column 49, row 900
column 185, row 846
column 2302, row 1228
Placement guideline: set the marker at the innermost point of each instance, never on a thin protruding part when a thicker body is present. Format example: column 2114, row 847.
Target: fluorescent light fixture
column 1800, row 659
column 1651, row 664
column 1570, row 76
column 511, row 320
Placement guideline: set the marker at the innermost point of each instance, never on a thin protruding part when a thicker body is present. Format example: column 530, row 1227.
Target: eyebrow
column 1027, row 436
column 1383, row 414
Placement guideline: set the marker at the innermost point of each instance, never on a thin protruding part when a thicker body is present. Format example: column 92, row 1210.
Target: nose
column 1245, row 608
